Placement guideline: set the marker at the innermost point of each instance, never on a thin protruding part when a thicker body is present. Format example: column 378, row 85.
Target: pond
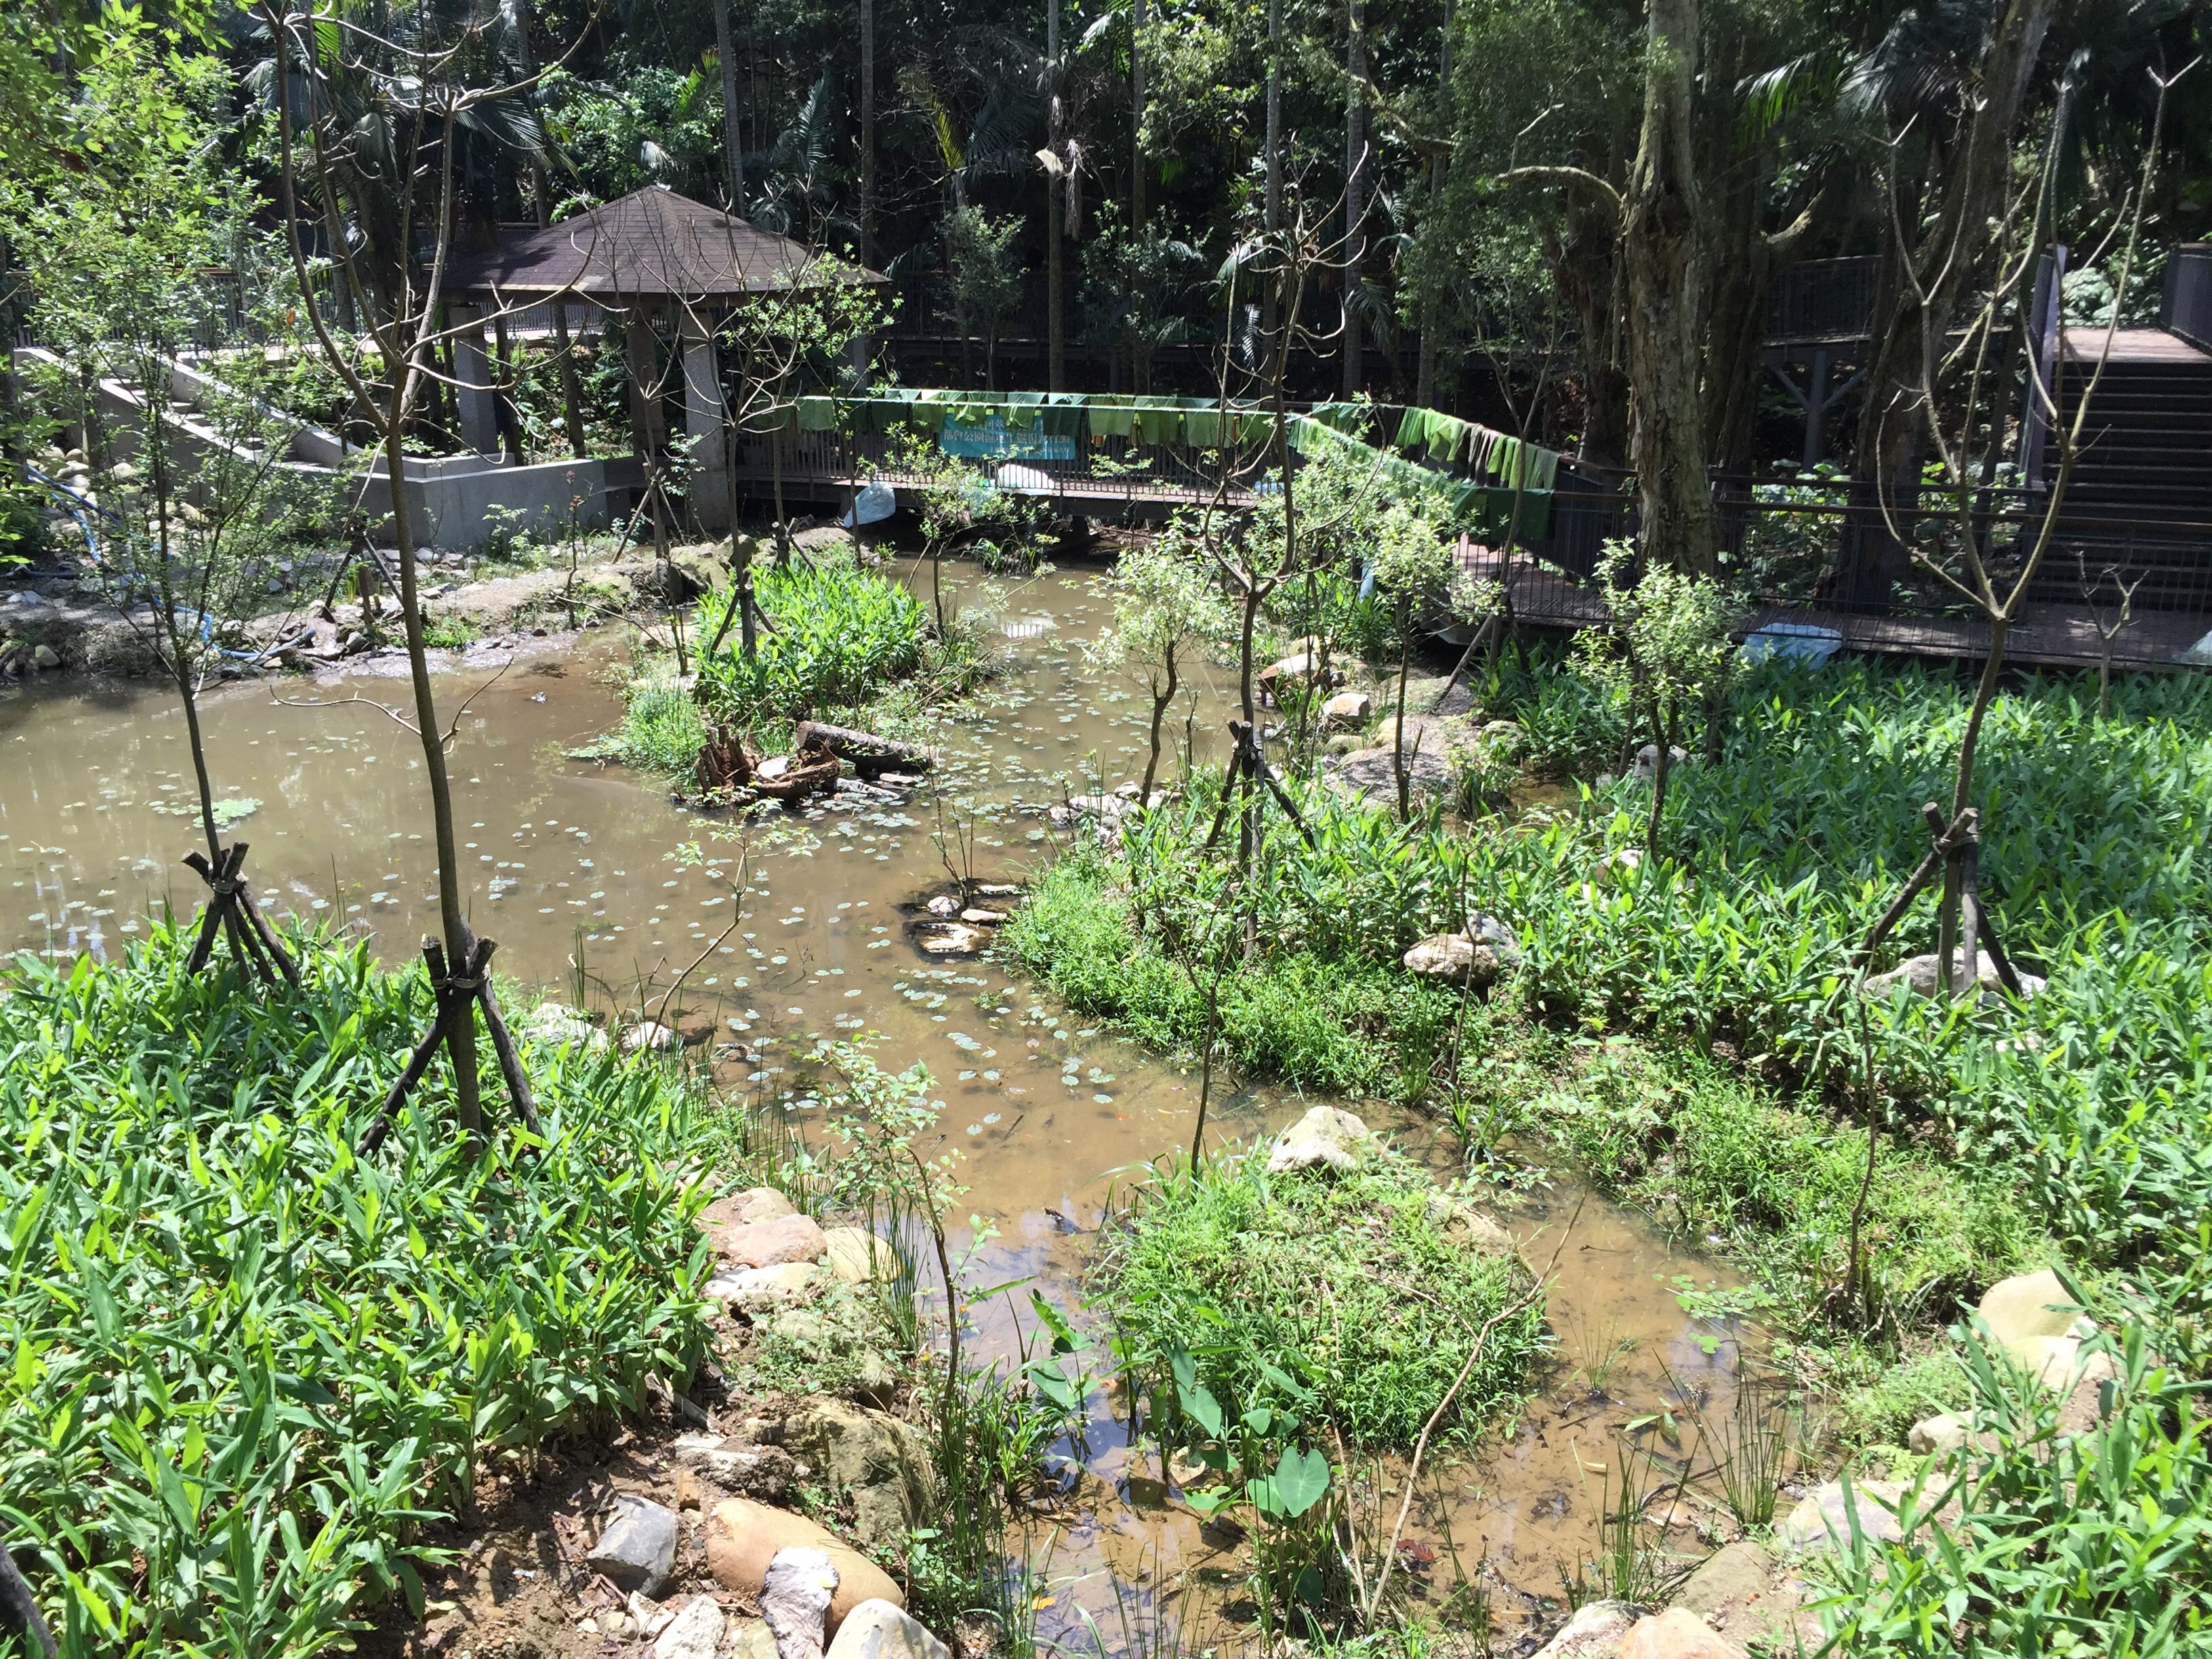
column 589, row 878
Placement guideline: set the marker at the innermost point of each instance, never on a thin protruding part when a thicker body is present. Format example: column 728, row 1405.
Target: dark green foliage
column 244, row 1365
column 1339, row 1296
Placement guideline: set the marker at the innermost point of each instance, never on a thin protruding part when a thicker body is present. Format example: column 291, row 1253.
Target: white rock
column 1453, row 959
column 775, row 766
column 1940, row 1433
column 694, row 1633
column 794, row 1600
column 953, row 939
column 45, row 656
column 1919, row 972
column 976, row 916
column 1595, row 1632
column 945, row 905
column 1823, row 1518
column 755, row 1290
column 857, row 1255
column 1647, row 760
column 1327, row 1137
column 877, row 1630
column 648, row 1034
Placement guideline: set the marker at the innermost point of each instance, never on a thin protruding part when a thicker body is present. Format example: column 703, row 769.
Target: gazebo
column 650, row 253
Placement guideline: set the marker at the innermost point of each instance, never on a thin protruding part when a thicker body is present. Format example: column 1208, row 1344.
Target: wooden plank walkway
column 2046, row 636
column 2132, row 345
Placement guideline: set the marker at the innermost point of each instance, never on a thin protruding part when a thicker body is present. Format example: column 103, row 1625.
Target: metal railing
column 1824, row 299
column 2186, row 301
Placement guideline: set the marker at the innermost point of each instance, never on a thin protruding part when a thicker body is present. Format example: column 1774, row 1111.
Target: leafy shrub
column 837, row 635
column 1339, row 1295
column 2060, row 1543
column 247, row 1365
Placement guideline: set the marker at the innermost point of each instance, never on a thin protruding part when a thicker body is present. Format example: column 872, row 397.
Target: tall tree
column 733, row 149
column 1355, row 188
column 1664, row 238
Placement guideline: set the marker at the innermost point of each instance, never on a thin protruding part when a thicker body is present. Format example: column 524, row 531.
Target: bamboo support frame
column 457, row 994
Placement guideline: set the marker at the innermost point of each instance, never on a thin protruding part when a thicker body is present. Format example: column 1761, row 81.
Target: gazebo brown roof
column 650, row 245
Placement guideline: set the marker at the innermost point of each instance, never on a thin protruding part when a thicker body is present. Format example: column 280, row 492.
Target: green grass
column 1346, row 1288
column 1773, row 1186
column 245, row 1366
column 662, row 730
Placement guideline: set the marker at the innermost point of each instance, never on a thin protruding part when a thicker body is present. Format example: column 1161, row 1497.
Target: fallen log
column 868, row 753
column 805, row 778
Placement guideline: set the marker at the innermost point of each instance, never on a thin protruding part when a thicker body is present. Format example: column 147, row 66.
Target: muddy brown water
column 584, row 869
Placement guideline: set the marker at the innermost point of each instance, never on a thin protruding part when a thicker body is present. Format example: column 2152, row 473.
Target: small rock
column 1348, row 709
column 1676, row 1634
column 1595, row 1632
column 775, row 766
column 637, row 1551
column 743, row 1537
column 755, row 1290
column 1453, row 959
column 945, row 905
column 794, row 1600
column 1741, row 1592
column 770, row 1243
column 1622, row 861
column 649, row 1035
column 1327, row 1137
column 762, row 1472
column 696, row 1632
column 857, row 1255
column 1940, row 1433
column 877, row 1630
column 754, row 1204
column 876, row 1459
column 953, row 939
column 1823, row 1518
column 976, row 916
column 999, row 890
column 1463, row 1224
column 45, row 656
column 1500, row 734
column 1647, row 760
column 558, row 1026
column 1919, row 974
column 748, row 1638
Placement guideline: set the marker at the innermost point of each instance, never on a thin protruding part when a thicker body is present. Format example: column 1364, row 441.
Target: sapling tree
column 955, row 500
column 192, row 509
column 1668, row 651
column 414, row 88
column 1167, row 609
column 986, row 274
column 1411, row 564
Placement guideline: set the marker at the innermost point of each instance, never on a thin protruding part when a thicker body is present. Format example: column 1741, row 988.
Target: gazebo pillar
column 703, row 419
column 479, row 409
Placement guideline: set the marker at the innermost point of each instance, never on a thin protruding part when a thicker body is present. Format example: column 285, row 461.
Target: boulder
column 743, row 1537
column 876, row 1459
column 2033, row 1319
column 1822, row 1519
column 1940, row 1433
column 1505, row 736
column 743, row 1209
column 637, row 1550
column 1596, row 1632
column 1348, row 709
column 696, row 1632
column 649, row 1036
column 877, row 1630
column 1325, row 1138
column 1463, row 1224
column 1676, row 1634
column 1453, row 959
column 756, row 1290
column 702, row 566
column 1646, row 765
column 45, row 656
column 1742, row 1592
column 1372, row 773
column 857, row 1255
column 794, row 1600
column 769, row 1244
column 1919, row 974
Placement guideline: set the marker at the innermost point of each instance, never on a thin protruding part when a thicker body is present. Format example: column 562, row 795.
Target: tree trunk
column 1355, row 188
column 1951, row 264
column 461, row 1035
column 1585, row 264
column 733, row 151
column 1136, row 119
column 1055, row 209
column 1665, row 260
column 868, row 133
column 1272, row 155
column 1398, row 733
column 1160, row 701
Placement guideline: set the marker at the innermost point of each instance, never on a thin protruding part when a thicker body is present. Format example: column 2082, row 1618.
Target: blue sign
column 988, row 440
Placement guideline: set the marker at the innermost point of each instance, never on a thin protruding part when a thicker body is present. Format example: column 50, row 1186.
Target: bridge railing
column 2186, row 301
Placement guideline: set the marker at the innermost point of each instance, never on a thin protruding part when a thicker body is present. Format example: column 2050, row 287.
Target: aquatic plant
column 1342, row 1297
column 837, row 635
column 247, row 1366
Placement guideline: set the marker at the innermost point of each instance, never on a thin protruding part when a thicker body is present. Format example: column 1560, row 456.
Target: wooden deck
column 2132, row 345
column 2046, row 636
